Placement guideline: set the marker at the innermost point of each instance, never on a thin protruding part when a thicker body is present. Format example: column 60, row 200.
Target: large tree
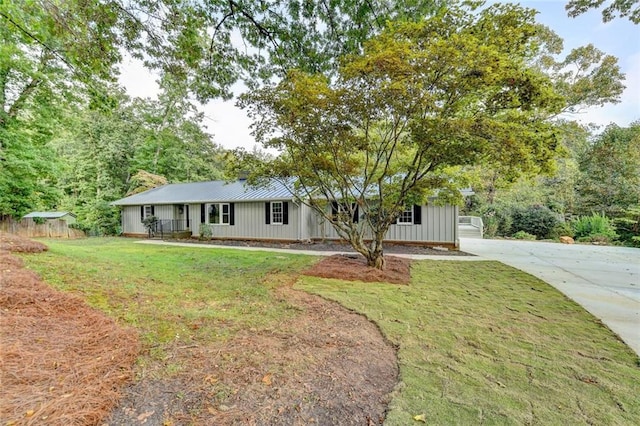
column 54, row 54
column 621, row 8
column 423, row 100
column 609, row 179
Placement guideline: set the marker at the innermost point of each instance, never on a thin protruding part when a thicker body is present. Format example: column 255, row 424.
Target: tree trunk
column 376, row 260
column 373, row 253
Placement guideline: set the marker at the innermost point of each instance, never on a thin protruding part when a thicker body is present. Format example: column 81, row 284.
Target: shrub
column 594, row 228
column 562, row 229
column 206, row 231
column 537, row 220
column 522, row 235
column 496, row 220
column 150, row 222
column 628, row 226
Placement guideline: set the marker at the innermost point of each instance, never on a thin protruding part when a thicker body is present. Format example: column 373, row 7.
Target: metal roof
column 206, row 192
column 49, row 215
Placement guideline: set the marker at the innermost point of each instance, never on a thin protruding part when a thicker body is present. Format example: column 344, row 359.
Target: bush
column 497, row 221
column 206, row 231
column 536, row 220
column 522, row 235
column 594, row 228
column 628, row 226
column 562, row 229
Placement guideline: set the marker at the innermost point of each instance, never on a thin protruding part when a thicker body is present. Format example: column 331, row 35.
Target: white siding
column 439, row 225
column 131, row 221
column 249, row 223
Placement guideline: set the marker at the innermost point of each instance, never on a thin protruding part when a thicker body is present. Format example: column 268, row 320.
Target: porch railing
column 470, row 226
column 166, row 227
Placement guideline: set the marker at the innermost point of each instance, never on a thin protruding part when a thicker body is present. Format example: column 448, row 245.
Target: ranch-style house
column 241, row 212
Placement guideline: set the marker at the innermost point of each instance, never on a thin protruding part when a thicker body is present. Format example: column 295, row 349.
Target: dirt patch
column 325, row 365
column 62, row 362
column 352, row 267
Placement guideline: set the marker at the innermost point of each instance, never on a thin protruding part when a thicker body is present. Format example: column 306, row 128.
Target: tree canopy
column 616, row 8
column 423, row 100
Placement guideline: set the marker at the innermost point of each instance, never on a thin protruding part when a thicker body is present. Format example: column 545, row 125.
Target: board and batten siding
column 439, row 225
column 249, row 223
column 132, row 222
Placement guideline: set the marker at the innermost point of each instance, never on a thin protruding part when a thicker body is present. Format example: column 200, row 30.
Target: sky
column 230, row 125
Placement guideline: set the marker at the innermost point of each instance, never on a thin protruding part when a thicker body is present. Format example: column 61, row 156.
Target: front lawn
column 478, row 342
column 483, row 343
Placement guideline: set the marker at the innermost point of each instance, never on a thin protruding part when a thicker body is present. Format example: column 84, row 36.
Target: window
column 146, row 211
column 410, row 216
column 219, row 214
column 341, row 212
column 406, row 217
column 276, row 213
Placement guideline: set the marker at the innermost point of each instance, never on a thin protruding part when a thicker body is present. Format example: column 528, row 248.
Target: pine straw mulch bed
column 65, row 363
column 353, row 267
column 61, row 362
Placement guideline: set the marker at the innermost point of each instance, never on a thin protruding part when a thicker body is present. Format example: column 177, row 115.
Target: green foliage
column 594, row 228
column 149, row 223
column 401, row 120
column 610, row 171
column 537, row 220
column 628, row 226
column 562, row 229
column 497, row 220
column 39, row 220
column 522, row 235
column 206, row 231
column 621, row 8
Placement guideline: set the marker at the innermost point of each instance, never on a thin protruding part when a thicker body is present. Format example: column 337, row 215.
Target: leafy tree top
column 400, row 119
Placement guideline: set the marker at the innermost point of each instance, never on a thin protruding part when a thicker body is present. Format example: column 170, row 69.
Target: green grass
column 172, row 295
column 478, row 342
column 483, row 343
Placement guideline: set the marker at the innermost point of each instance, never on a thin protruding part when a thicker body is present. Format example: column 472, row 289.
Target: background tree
column 621, row 8
column 423, row 100
column 609, row 180
column 103, row 151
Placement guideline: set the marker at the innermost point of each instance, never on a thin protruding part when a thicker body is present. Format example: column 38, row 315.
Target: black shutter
column 356, row 213
column 334, row 209
column 153, row 211
column 232, row 212
column 285, row 212
column 202, row 213
column 417, row 215
column 267, row 213
column 141, row 213
column 186, row 207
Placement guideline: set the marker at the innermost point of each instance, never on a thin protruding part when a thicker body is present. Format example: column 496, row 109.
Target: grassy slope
column 478, row 342
column 172, row 295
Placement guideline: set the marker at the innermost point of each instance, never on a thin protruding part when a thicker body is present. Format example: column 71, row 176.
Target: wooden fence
column 51, row 228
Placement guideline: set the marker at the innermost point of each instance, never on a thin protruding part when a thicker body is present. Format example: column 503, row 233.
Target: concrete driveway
column 604, row 280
